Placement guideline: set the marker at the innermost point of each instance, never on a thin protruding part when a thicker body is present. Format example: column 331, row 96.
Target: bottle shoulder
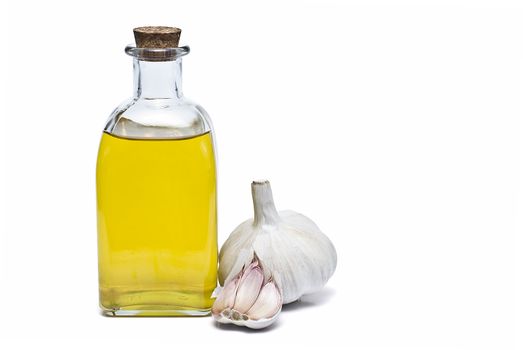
column 158, row 118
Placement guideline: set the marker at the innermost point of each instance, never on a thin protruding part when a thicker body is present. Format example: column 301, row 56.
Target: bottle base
column 128, row 301
column 153, row 311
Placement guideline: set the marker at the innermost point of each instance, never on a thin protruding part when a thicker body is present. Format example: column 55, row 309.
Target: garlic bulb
column 290, row 245
column 249, row 299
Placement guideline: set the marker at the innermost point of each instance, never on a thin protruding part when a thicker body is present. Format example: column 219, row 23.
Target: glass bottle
column 156, row 191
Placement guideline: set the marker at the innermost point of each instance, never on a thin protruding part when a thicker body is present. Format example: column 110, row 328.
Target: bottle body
column 156, row 205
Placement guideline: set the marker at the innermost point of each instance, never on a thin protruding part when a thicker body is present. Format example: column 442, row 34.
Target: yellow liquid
column 157, row 244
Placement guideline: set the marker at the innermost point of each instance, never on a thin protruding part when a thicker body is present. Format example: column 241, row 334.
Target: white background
column 395, row 125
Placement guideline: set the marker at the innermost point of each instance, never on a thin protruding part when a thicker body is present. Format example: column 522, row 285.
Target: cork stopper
column 157, row 37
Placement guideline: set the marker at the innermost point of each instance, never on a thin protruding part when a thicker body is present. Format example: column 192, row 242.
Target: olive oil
column 156, row 203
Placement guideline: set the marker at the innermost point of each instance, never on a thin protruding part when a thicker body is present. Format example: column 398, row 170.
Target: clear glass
column 156, row 197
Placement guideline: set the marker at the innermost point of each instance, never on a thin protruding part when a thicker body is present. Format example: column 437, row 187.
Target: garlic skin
column 290, row 245
column 249, row 299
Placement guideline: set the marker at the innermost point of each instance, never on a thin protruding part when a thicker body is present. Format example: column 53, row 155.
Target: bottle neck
column 158, row 79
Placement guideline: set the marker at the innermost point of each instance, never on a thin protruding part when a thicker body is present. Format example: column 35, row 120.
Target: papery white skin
column 249, row 299
column 288, row 243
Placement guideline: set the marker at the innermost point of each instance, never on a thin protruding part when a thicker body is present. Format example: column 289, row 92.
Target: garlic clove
column 226, row 297
column 248, row 299
column 248, row 287
column 268, row 303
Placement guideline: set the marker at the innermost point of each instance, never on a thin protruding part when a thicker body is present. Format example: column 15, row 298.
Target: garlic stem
column 264, row 210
